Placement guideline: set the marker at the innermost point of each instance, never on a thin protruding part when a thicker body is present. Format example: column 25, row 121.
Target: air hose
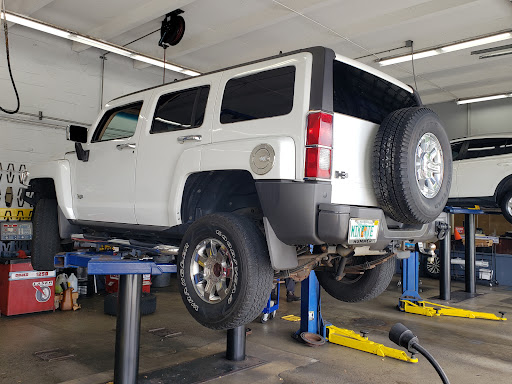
column 6, row 33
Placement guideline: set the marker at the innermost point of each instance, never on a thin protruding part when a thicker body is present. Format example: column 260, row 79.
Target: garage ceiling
column 221, row 33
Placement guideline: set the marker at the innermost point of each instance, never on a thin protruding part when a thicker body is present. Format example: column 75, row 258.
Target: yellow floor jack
column 411, row 302
column 314, row 331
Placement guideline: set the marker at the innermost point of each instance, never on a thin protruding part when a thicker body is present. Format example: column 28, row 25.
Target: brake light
column 318, row 146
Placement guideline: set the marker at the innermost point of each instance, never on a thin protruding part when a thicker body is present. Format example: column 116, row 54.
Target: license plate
column 363, row 231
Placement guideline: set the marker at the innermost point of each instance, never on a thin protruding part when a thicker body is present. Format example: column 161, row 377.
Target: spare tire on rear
column 412, row 166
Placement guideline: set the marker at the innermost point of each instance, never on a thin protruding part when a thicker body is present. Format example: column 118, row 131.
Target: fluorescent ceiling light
column 477, row 42
column 447, row 48
column 97, row 43
column 34, row 25
column 496, row 54
column 401, row 59
column 484, row 98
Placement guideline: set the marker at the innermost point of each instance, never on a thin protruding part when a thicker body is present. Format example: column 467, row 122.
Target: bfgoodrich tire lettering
column 45, row 235
column 229, row 251
column 396, row 166
column 353, row 288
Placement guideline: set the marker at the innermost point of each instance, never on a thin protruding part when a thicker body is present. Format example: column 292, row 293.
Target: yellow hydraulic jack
column 411, row 301
column 348, row 338
column 429, row 309
column 314, row 331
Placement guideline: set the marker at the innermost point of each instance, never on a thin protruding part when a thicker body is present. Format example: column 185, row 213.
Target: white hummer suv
column 305, row 160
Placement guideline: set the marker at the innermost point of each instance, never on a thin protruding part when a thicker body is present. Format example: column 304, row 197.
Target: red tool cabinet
column 23, row 290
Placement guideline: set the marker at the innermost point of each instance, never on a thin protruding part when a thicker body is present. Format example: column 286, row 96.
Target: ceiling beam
column 132, row 18
column 279, row 14
column 26, row 7
column 245, row 25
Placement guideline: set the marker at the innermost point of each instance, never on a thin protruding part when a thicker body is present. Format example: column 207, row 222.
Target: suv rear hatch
column 362, row 98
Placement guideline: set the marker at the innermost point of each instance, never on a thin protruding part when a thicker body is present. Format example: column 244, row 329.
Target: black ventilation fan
column 173, row 29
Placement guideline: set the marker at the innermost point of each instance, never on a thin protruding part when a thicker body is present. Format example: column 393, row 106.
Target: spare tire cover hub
column 429, row 166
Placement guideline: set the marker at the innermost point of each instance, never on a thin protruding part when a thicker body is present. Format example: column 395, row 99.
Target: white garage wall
column 475, row 119
column 61, row 83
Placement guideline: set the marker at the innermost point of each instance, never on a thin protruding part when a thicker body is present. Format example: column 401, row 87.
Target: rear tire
column 506, row 206
column 354, row 288
column 224, row 271
column 45, row 235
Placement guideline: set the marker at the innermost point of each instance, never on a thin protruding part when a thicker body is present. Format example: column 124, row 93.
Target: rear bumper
column 301, row 213
column 333, row 226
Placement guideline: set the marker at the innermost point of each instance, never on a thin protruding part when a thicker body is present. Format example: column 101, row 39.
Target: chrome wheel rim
column 434, row 267
column 509, row 206
column 211, row 271
column 429, row 165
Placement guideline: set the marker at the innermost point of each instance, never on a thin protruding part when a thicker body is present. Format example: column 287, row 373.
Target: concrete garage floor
column 470, row 351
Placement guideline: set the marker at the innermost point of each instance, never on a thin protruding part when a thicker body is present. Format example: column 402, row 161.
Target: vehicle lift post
column 445, row 266
column 470, row 253
column 311, row 322
column 469, row 250
column 126, row 365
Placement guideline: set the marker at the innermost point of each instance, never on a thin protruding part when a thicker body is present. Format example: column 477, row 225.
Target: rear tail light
column 318, row 146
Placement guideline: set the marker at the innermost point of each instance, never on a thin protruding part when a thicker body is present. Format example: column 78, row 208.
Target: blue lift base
column 109, row 264
column 410, row 279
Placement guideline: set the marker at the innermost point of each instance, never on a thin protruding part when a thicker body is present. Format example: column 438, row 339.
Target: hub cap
column 509, row 206
column 211, row 270
column 434, row 267
column 429, row 165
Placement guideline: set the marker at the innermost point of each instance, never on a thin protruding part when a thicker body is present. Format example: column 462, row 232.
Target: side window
column 456, row 150
column 487, row 147
column 180, row 110
column 257, row 96
column 118, row 123
column 363, row 95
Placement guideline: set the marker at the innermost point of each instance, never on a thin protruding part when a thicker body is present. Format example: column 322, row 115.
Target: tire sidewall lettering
column 187, row 289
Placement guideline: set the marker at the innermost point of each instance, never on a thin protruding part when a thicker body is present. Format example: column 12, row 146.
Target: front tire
column 353, row 288
column 224, row 271
column 45, row 235
column 506, row 206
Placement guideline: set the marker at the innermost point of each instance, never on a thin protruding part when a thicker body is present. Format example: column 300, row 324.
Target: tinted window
column 488, row 147
column 456, row 150
column 118, row 123
column 180, row 110
column 264, row 94
column 360, row 94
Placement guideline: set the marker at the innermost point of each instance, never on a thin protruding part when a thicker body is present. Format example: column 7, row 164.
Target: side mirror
column 81, row 153
column 76, row 133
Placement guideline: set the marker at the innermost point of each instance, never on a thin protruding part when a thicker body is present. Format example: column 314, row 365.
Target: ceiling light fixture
column 97, row 43
column 447, row 48
column 496, row 54
column 484, row 98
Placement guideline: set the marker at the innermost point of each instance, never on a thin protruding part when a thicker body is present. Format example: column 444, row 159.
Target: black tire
column 45, row 235
column 506, row 206
column 243, row 250
column 353, row 288
column 147, row 304
column 394, row 179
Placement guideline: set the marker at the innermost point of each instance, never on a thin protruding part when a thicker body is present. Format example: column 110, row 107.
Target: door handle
column 505, row 164
column 124, row 146
column 182, row 139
